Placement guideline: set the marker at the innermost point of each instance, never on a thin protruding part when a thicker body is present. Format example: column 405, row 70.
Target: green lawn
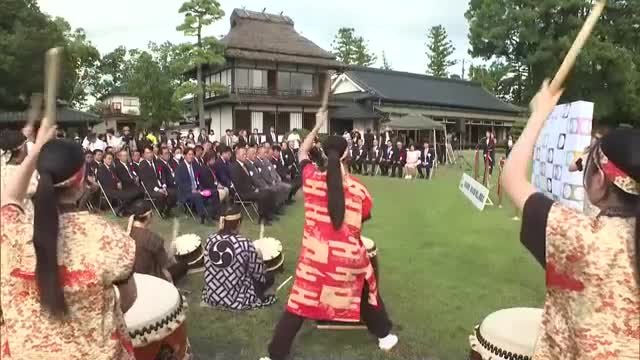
column 443, row 267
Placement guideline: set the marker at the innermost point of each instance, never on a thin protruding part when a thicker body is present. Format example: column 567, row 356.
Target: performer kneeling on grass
column 151, row 253
column 58, row 273
column 592, row 263
column 334, row 278
column 234, row 276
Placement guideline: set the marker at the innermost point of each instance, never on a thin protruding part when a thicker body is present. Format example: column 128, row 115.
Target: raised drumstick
column 327, row 90
column 577, row 46
column 35, row 108
column 52, row 81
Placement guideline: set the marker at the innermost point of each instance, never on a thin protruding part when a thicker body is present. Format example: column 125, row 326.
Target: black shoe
column 202, row 219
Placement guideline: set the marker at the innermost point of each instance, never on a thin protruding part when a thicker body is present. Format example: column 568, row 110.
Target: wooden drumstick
column 284, row 283
column 52, row 81
column 35, row 108
column 577, row 46
column 327, row 90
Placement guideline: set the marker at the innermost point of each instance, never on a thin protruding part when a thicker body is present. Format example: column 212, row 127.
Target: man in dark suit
column 189, row 186
column 426, row 161
column 254, row 138
column 368, row 140
column 150, row 177
column 242, row 138
column 113, row 188
column 202, row 137
column 489, row 151
column 278, row 161
column 373, row 156
column 247, row 191
column 97, row 160
column 176, row 159
column 289, row 159
column 125, row 173
column 166, row 170
column 227, row 139
column 272, row 138
column 398, row 160
column 221, row 167
column 265, row 168
column 387, row 154
column 199, row 153
column 135, row 161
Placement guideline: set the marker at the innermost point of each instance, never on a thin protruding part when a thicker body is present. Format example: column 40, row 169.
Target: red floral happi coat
column 333, row 264
column 592, row 307
column 92, row 255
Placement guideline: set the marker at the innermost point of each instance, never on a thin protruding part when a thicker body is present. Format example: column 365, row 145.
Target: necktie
column 193, row 179
column 127, row 168
column 245, row 169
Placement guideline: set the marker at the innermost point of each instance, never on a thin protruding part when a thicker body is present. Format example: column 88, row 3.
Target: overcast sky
column 398, row 27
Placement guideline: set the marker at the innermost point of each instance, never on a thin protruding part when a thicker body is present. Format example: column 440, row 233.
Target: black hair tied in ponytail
column 622, row 146
column 335, row 146
column 58, row 161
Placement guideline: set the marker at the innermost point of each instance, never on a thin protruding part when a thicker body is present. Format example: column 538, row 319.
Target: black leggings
column 376, row 320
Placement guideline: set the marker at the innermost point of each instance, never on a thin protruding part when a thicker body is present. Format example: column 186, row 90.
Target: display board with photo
column 562, row 141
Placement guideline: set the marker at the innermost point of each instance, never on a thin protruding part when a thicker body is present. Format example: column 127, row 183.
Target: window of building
column 308, row 121
column 131, row 102
column 284, row 80
column 242, row 78
column 268, row 120
column 242, row 120
column 302, row 82
column 283, row 123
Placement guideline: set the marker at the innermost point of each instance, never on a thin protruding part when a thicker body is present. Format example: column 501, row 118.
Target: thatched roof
column 262, row 36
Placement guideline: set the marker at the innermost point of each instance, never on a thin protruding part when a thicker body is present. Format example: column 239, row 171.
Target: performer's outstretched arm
column 321, row 119
column 514, row 176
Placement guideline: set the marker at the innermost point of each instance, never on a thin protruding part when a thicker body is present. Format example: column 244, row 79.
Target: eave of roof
column 63, row 116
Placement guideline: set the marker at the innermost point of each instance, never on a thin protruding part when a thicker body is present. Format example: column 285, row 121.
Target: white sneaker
column 265, row 358
column 388, row 342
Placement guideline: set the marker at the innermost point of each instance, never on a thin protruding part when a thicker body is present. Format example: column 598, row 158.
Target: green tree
column 25, row 35
column 533, row 37
column 351, row 49
column 439, row 51
column 385, row 63
column 495, row 78
column 81, row 64
column 113, row 71
column 207, row 50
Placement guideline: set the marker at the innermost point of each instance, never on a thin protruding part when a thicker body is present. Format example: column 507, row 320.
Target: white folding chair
column 149, row 198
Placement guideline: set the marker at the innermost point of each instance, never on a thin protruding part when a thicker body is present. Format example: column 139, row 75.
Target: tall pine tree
column 439, row 50
column 351, row 49
column 385, row 63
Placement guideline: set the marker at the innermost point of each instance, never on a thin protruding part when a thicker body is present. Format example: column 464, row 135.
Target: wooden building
column 273, row 76
column 366, row 97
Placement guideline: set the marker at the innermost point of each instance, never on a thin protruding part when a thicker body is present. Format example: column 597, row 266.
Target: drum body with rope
column 156, row 321
column 271, row 251
column 508, row 334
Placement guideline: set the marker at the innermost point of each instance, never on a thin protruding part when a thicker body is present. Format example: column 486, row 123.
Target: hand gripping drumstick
column 577, row 46
column 52, row 81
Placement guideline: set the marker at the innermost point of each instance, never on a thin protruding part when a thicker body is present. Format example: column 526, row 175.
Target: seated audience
column 372, row 159
column 113, row 189
column 167, row 173
column 264, row 166
column 135, row 161
column 124, row 172
column 97, row 160
column 358, row 155
column 247, row 191
column 235, row 276
column 413, row 159
column 189, row 189
column 209, row 180
column 163, row 197
column 426, row 161
column 398, row 160
column 221, row 167
column 197, row 158
column 151, row 249
column 91, row 187
column 177, row 158
column 387, row 156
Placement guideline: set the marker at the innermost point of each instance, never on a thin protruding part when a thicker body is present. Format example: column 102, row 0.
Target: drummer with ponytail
column 60, row 273
column 592, row 263
column 336, row 206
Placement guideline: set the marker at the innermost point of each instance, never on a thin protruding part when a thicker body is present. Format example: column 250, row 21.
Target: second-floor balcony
column 275, row 92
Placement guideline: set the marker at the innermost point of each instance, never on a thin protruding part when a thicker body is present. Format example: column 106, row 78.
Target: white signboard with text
column 562, row 141
column 474, row 191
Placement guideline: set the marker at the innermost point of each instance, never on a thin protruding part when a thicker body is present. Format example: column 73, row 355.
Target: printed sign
column 564, row 137
column 474, row 191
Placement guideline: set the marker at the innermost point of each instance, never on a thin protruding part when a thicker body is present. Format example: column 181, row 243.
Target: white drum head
column 512, row 330
column 156, row 299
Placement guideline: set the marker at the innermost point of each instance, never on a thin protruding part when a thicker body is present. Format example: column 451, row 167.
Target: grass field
column 443, row 267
